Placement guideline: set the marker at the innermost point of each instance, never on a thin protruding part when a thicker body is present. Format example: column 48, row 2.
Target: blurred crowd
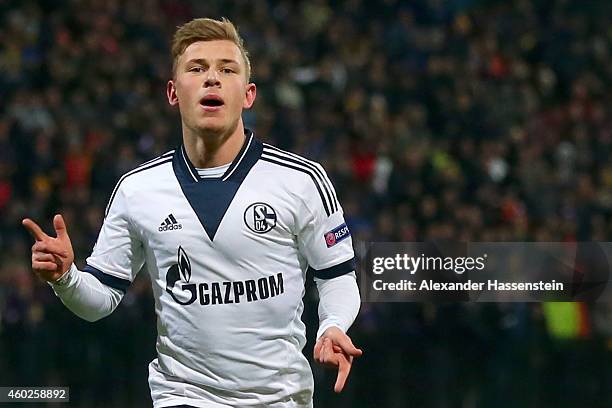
column 469, row 120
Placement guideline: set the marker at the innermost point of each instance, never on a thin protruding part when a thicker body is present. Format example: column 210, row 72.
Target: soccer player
column 227, row 227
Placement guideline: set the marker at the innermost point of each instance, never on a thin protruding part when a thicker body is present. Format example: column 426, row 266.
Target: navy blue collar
column 211, row 197
column 247, row 153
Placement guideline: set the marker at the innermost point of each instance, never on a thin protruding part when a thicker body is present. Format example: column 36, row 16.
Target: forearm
column 85, row 296
column 339, row 302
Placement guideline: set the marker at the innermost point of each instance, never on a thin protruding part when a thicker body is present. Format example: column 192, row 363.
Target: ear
column 171, row 93
column 251, row 93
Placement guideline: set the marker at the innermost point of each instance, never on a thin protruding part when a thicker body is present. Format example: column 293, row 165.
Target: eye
column 227, row 71
column 196, row 69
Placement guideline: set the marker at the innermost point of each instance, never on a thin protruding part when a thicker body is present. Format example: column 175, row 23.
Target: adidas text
column 170, row 227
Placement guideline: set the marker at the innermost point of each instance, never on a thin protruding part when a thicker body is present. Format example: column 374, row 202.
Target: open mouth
column 211, row 101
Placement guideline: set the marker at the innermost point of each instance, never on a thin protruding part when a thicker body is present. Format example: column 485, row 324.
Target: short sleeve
column 323, row 236
column 118, row 254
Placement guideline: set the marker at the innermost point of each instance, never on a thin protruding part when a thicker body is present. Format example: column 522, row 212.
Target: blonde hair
column 207, row 29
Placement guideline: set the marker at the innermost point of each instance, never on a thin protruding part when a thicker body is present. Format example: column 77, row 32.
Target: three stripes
column 169, row 220
column 314, row 170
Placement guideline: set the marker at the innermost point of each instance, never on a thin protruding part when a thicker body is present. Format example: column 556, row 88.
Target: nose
column 212, row 78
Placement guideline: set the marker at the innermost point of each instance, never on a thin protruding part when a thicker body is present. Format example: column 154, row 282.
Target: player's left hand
column 335, row 349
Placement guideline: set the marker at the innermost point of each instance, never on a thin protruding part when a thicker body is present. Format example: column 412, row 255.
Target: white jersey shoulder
column 299, row 171
column 140, row 176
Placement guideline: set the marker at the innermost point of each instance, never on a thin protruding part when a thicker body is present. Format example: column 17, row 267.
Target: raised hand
column 335, row 349
column 51, row 257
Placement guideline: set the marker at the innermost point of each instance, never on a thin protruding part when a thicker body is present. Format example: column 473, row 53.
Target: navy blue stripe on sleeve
column 108, row 280
column 334, row 271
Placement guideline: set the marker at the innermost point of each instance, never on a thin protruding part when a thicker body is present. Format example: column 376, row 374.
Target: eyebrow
column 204, row 61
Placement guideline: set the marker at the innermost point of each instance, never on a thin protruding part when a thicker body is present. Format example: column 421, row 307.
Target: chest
column 254, row 226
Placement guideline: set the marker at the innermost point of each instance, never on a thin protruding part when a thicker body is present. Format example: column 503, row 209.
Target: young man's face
column 210, row 87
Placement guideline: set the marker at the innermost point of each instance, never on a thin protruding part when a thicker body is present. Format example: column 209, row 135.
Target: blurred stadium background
column 436, row 119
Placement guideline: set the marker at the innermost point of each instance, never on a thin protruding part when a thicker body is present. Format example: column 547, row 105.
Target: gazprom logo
column 179, row 276
column 336, row 235
column 207, row 293
column 260, row 217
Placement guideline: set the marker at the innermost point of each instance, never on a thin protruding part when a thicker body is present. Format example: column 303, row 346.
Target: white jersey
column 227, row 259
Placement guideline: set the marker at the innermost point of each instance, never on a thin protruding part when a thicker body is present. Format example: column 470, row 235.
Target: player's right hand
column 51, row 257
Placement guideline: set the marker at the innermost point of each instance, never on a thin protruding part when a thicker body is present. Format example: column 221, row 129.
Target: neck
column 213, row 149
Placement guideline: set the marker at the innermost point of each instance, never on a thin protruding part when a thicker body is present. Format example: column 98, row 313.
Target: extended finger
column 34, row 229
column 348, row 346
column 344, row 368
column 60, row 226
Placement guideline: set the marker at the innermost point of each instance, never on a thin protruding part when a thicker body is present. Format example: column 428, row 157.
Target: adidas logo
column 169, row 224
